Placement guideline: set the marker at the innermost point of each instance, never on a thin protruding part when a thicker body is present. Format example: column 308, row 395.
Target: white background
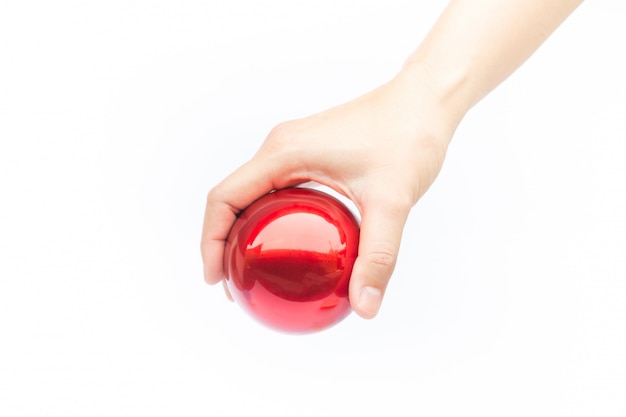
column 116, row 118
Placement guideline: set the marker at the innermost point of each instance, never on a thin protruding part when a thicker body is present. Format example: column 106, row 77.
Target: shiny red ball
column 289, row 257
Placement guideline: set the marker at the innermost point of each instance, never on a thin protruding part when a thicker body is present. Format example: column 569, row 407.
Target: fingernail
column 369, row 301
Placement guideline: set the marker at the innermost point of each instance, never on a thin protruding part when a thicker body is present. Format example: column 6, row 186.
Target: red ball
column 289, row 257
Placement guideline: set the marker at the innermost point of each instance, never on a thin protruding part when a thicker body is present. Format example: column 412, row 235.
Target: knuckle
column 214, row 195
column 280, row 139
column 280, row 130
column 281, row 133
column 382, row 260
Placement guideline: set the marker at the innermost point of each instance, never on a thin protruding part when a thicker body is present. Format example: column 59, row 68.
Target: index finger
column 224, row 203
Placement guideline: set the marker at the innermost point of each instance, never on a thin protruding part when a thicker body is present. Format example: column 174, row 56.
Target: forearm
column 476, row 44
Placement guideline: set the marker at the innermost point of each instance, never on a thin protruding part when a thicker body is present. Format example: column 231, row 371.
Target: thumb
column 381, row 232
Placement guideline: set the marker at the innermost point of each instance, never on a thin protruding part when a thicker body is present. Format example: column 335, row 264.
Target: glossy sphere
column 289, row 257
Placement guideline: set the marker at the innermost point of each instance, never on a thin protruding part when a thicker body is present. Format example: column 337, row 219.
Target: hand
column 382, row 151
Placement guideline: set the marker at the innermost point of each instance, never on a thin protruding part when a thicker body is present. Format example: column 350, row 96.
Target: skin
column 397, row 135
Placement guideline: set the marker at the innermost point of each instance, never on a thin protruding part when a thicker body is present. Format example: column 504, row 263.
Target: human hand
column 382, row 151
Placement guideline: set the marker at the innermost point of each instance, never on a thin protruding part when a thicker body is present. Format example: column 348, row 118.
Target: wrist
column 448, row 88
column 440, row 98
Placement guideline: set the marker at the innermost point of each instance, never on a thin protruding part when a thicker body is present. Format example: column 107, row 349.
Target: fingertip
column 227, row 291
column 366, row 294
column 213, row 272
column 368, row 302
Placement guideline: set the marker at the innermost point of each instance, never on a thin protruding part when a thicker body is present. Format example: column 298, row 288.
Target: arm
column 476, row 44
column 396, row 136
